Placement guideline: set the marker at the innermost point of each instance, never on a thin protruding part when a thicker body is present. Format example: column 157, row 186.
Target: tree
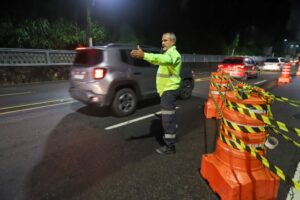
column 43, row 34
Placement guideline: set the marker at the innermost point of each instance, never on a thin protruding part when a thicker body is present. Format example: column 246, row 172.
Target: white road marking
column 293, row 193
column 12, row 94
column 37, row 103
column 133, row 120
column 260, row 82
column 26, row 109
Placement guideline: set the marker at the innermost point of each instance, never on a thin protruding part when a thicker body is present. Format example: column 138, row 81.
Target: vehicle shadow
column 79, row 155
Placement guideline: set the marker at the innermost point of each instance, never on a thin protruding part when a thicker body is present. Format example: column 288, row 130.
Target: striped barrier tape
column 292, row 102
column 220, row 85
column 236, row 143
column 235, row 127
column 222, row 77
column 297, row 144
column 282, row 126
column 258, row 147
column 243, row 128
column 219, row 91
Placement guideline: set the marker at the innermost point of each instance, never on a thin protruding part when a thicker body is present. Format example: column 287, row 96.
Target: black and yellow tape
column 220, row 85
column 243, row 128
column 297, row 144
column 221, row 77
column 260, row 108
column 243, row 147
column 258, row 147
column 294, row 103
column 219, row 91
column 269, row 121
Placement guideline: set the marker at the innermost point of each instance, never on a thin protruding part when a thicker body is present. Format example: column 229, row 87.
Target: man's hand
column 137, row 53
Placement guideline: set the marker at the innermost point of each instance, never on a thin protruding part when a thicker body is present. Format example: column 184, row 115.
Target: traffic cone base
column 284, row 80
column 238, row 177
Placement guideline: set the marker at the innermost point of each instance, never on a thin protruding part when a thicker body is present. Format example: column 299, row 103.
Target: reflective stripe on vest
column 169, row 136
column 167, row 112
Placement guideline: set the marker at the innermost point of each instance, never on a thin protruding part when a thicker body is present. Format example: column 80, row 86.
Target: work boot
column 166, row 150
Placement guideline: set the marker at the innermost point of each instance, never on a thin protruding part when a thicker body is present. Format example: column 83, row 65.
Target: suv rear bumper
column 87, row 97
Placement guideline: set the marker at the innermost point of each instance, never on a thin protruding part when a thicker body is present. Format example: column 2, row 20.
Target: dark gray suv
column 108, row 76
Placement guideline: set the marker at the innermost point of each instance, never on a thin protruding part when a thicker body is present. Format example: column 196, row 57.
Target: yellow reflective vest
column 168, row 73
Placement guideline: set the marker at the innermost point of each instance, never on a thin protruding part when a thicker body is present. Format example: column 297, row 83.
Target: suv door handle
column 137, row 73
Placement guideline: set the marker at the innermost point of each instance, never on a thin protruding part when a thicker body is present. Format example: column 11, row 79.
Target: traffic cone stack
column 286, row 74
column 234, row 174
column 218, row 87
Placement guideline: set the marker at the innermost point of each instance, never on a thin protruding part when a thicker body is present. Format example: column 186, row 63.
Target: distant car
column 240, row 67
column 274, row 64
column 107, row 75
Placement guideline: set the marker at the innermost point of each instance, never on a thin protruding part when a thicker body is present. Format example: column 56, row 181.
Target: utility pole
column 89, row 22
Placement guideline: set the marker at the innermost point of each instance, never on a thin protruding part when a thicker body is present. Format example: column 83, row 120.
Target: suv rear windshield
column 233, row 61
column 273, row 60
column 88, row 57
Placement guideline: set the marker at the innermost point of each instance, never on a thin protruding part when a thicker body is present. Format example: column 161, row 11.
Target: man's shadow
column 155, row 130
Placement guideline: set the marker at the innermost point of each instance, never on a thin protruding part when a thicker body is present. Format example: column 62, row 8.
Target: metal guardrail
column 35, row 57
column 41, row 57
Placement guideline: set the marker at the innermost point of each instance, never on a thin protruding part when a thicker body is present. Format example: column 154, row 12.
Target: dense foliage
column 43, row 34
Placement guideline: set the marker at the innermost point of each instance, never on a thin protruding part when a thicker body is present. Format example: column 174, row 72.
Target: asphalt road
column 52, row 147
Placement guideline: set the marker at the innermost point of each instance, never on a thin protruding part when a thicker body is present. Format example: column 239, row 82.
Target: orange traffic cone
column 286, row 74
column 234, row 174
column 219, row 84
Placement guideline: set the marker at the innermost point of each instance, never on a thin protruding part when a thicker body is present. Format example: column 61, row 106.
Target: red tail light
column 279, row 64
column 99, row 73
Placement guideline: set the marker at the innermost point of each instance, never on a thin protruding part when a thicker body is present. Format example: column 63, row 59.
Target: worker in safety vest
column 167, row 84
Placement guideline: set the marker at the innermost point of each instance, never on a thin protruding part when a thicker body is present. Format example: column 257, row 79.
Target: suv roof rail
column 118, row 44
column 126, row 45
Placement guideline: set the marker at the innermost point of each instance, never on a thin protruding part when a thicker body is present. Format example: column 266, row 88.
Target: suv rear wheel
column 124, row 102
column 186, row 89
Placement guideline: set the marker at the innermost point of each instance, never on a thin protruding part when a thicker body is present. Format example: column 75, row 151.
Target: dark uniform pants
column 168, row 106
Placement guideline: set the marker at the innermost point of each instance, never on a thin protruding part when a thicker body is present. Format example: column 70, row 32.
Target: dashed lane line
column 33, row 106
column 256, row 83
column 13, row 94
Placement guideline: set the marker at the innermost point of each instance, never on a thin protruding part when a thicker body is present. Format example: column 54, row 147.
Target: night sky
column 197, row 24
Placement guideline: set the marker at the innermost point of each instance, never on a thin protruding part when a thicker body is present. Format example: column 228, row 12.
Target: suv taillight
column 99, row 73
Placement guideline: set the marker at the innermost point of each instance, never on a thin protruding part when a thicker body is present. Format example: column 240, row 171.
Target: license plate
column 78, row 76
